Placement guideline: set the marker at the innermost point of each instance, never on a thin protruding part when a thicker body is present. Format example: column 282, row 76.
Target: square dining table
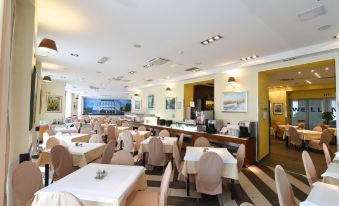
column 112, row 190
column 331, row 175
column 322, row 194
column 81, row 155
column 73, row 137
column 192, row 157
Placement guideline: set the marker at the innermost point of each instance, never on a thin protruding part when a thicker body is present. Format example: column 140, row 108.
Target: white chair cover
column 327, row 154
column 56, row 199
column 164, row 133
column 122, row 157
column 164, row 185
column 51, row 142
column 141, row 128
column 96, row 138
column 111, row 133
column 62, row 162
column 127, row 140
column 156, row 156
column 240, row 157
column 202, row 142
column 310, row 170
column 108, row 152
column 284, row 189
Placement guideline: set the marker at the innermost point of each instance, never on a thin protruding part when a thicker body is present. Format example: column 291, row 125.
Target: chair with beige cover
column 122, row 157
column 127, row 140
column 310, row 170
column 323, row 127
column 279, row 133
column 56, row 199
column 284, row 188
column 62, row 162
column 208, row 179
column 301, row 125
column 111, row 133
column 96, row 138
column 178, row 163
column 125, row 124
column 51, row 142
column 180, row 142
column 202, row 142
column 142, row 128
column 317, row 129
column 26, row 181
column 327, row 154
column 156, row 155
column 152, row 198
column 325, row 138
column 294, row 138
column 240, row 157
column 164, row 133
column 246, row 204
column 108, row 153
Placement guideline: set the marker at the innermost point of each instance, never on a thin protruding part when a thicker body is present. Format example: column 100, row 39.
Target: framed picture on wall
column 179, row 104
column 137, row 104
column 277, row 108
column 150, row 101
column 234, row 101
column 170, row 103
column 54, row 104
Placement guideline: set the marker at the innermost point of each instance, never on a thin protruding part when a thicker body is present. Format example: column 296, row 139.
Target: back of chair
column 327, row 154
column 164, row 133
column 294, row 136
column 284, row 189
column 111, row 133
column 209, row 170
column 240, row 157
column 56, row 199
column 26, row 180
column 164, row 185
column 156, row 155
column 122, row 158
column 176, row 156
column 310, row 170
column 181, row 141
column 51, row 142
column 127, row 139
column 202, row 142
column 62, row 161
column 326, row 137
column 108, row 152
column 301, row 125
column 138, row 139
column 323, row 127
column 318, row 129
column 125, row 124
column 141, row 128
column 96, row 138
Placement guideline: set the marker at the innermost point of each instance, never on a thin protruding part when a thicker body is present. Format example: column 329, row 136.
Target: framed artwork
column 179, row 104
column 234, row 101
column 54, row 104
column 150, row 102
column 137, row 104
column 277, row 108
column 170, row 103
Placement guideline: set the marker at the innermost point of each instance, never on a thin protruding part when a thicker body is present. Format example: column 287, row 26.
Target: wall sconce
column 168, row 92
column 136, row 94
column 48, row 45
column 231, row 82
column 47, row 79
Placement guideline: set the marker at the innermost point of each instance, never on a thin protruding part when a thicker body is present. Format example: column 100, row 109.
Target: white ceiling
column 172, row 30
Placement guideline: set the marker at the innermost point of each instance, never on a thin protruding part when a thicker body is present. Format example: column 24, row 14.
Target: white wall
column 53, row 88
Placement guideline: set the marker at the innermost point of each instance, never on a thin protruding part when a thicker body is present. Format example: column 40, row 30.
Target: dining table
column 65, row 129
column 336, row 158
column 193, row 155
column 322, row 194
column 82, row 154
column 111, row 189
column 73, row 137
column 331, row 175
column 143, row 134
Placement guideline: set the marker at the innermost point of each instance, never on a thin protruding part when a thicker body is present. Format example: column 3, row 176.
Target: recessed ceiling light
column 308, row 82
column 103, row 60
column 299, row 72
column 312, row 70
column 132, row 72
column 147, row 66
column 74, row 55
column 326, row 68
column 249, row 57
column 317, row 75
column 212, row 39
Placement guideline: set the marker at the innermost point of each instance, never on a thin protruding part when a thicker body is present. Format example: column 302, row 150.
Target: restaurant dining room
column 169, row 103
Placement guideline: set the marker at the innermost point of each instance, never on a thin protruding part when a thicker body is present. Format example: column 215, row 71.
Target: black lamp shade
column 231, row 80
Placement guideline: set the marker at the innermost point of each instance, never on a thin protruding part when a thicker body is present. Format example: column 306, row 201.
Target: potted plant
column 327, row 116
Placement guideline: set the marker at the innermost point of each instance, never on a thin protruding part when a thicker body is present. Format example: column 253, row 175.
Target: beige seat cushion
column 143, row 198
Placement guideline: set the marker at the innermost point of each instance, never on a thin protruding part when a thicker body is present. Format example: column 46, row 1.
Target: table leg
column 188, row 185
column 232, row 189
column 286, row 140
column 144, row 159
column 46, row 174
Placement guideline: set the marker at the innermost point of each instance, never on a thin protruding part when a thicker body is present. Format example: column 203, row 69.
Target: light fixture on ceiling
column 308, row 81
column 249, row 58
column 326, row 68
column 317, row 75
column 312, row 70
column 212, row 39
column 48, row 45
column 132, row 72
column 299, row 73
column 137, row 46
column 47, row 79
column 147, row 66
column 102, row 60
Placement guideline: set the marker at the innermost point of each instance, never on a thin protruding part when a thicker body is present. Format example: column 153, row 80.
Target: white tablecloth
column 65, row 129
column 167, row 142
column 336, row 158
column 322, row 194
column 193, row 154
column 305, row 134
column 331, row 175
column 112, row 190
column 73, row 137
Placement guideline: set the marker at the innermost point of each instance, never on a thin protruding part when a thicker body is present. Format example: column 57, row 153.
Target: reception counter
column 250, row 144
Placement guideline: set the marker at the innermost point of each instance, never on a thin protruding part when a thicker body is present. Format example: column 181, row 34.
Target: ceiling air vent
column 118, row 78
column 312, row 13
column 289, row 59
column 193, row 69
column 93, row 87
column 102, row 60
column 148, row 80
column 286, row 79
column 158, row 61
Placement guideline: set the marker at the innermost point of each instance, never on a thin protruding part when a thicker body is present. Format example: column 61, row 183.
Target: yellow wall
column 278, row 96
column 263, row 104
